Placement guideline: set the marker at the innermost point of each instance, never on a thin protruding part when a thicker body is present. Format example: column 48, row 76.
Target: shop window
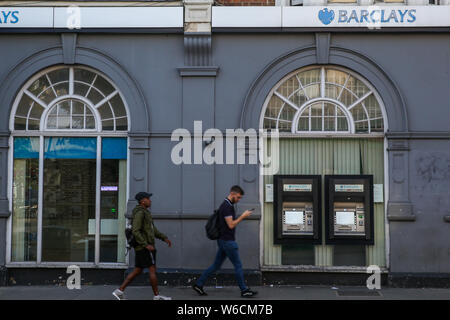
column 25, row 195
column 324, row 100
column 69, row 192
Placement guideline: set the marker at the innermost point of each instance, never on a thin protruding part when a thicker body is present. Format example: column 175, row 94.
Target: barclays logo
column 9, row 17
column 371, row 15
column 326, row 16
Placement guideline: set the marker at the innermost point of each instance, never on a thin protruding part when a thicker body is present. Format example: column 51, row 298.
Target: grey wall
column 423, row 245
column 412, row 71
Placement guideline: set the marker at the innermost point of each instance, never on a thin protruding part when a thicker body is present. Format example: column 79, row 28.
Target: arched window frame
column 98, row 133
column 43, row 130
column 299, row 109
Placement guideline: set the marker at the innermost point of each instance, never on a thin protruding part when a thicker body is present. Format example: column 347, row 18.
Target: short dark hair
column 237, row 189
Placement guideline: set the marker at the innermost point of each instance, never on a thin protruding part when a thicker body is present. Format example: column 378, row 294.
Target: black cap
column 141, row 195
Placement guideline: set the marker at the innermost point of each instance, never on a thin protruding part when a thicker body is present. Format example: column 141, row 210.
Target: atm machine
column 349, row 209
column 297, row 208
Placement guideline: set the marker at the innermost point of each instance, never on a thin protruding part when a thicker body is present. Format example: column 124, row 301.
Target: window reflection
column 69, row 200
column 25, row 195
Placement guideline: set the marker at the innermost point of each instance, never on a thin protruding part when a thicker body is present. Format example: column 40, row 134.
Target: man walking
column 227, row 244
column 145, row 232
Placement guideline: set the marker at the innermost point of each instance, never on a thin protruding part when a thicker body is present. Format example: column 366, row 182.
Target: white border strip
column 238, row 17
column 91, row 17
column 124, row 17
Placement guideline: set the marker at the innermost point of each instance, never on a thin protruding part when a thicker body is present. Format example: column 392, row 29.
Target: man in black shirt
column 227, row 244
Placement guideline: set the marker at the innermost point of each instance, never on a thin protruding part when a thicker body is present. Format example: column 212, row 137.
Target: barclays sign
column 9, row 17
column 29, row 17
column 371, row 16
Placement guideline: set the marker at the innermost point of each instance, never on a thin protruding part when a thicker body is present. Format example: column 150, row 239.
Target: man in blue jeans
column 227, row 244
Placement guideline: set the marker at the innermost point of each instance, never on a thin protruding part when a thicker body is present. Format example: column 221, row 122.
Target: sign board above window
column 371, row 17
column 91, row 17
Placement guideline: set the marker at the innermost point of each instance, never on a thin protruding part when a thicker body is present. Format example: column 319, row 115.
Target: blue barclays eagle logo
column 326, row 16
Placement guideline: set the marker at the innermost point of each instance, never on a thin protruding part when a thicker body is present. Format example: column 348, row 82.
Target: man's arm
column 161, row 236
column 233, row 223
column 136, row 228
column 158, row 234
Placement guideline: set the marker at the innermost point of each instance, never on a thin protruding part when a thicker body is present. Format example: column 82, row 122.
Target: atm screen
column 345, row 217
column 293, row 217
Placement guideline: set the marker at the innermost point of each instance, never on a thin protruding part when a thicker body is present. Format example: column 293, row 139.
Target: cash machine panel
column 349, row 209
column 297, row 217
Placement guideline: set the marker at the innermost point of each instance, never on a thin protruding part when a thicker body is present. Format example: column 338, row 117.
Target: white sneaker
column 160, row 297
column 119, row 294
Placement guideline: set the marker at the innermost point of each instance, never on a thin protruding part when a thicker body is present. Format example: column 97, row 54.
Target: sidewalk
column 222, row 293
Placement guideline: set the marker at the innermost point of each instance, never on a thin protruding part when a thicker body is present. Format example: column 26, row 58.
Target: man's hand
column 150, row 247
column 233, row 223
column 169, row 243
column 246, row 213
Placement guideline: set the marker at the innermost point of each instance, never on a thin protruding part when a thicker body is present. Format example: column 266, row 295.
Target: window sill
column 66, row 264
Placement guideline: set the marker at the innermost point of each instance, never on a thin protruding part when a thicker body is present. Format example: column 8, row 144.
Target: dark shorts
column 144, row 258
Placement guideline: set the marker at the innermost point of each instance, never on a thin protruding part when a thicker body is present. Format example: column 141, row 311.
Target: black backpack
column 212, row 226
column 131, row 241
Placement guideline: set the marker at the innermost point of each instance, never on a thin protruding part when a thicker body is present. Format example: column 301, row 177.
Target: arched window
column 324, row 100
column 70, row 98
column 69, row 172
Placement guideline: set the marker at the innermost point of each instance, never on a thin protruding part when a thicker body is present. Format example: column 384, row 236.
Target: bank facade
column 355, row 92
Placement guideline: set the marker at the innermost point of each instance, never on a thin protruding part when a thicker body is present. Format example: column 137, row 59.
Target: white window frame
column 42, row 134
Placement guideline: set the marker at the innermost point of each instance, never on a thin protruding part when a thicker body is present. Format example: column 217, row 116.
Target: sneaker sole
column 248, row 295
column 117, row 297
column 199, row 292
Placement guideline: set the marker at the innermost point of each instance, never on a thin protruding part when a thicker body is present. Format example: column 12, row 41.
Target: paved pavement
column 91, row 292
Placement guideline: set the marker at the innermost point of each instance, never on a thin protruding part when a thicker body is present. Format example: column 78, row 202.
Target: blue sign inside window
column 26, row 148
column 114, row 148
column 70, row 148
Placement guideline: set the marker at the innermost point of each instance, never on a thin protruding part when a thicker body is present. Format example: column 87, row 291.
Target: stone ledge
column 401, row 211
column 198, row 71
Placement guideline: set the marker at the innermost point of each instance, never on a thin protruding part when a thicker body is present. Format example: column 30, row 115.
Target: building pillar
column 197, row 15
column 139, row 149
column 399, row 205
column 198, row 104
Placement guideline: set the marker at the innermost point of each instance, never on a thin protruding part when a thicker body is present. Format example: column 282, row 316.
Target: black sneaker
column 199, row 290
column 247, row 293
